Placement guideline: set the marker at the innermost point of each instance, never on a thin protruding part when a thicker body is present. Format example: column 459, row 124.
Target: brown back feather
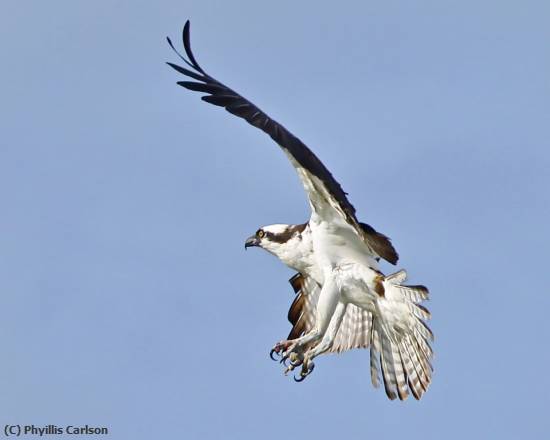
column 380, row 244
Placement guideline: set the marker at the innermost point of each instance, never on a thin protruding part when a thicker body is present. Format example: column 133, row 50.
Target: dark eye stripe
column 286, row 235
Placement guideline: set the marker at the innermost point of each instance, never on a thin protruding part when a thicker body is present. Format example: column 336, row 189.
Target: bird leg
column 330, row 334
column 296, row 350
column 325, row 344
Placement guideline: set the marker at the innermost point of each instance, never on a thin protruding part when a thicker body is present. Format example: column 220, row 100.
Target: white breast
column 336, row 243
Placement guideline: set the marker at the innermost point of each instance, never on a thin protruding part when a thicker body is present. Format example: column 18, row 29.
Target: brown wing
column 302, row 311
column 221, row 95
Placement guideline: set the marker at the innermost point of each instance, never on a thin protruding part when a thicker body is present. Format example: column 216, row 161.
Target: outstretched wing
column 322, row 189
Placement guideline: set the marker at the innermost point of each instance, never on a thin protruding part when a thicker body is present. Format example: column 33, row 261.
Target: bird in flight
column 343, row 300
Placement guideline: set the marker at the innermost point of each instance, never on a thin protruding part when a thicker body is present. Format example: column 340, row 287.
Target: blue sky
column 127, row 298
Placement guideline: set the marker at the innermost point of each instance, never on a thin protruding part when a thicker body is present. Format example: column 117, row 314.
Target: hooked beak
column 251, row 241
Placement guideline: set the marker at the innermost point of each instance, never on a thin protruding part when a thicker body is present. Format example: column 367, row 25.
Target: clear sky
column 126, row 295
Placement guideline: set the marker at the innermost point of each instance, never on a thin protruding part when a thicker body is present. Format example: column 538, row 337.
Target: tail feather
column 419, row 311
column 400, row 340
column 416, row 294
column 425, row 353
column 401, row 378
column 418, row 377
column 409, row 365
column 389, row 377
column 424, row 330
column 386, row 360
column 394, row 371
column 397, row 277
column 374, row 357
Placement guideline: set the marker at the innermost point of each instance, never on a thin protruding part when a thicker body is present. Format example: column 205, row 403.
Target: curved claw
column 306, row 374
column 284, row 360
column 271, row 354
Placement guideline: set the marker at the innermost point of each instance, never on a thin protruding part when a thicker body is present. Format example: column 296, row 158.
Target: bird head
column 279, row 240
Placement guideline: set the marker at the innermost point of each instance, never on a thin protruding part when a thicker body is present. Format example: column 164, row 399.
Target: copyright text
column 34, row 430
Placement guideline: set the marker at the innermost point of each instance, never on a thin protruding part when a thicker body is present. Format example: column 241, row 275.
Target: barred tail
column 401, row 340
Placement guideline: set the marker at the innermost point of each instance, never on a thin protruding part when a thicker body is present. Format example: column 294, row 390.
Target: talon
column 302, row 377
column 273, row 351
column 304, row 374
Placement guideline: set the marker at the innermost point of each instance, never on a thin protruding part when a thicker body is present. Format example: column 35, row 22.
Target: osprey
column 342, row 300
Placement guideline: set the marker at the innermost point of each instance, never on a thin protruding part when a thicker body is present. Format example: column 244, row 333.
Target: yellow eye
column 260, row 233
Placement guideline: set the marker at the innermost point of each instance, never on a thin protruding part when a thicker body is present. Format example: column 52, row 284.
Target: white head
column 286, row 242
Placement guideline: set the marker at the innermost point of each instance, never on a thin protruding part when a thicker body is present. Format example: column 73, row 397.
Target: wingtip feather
column 186, row 37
